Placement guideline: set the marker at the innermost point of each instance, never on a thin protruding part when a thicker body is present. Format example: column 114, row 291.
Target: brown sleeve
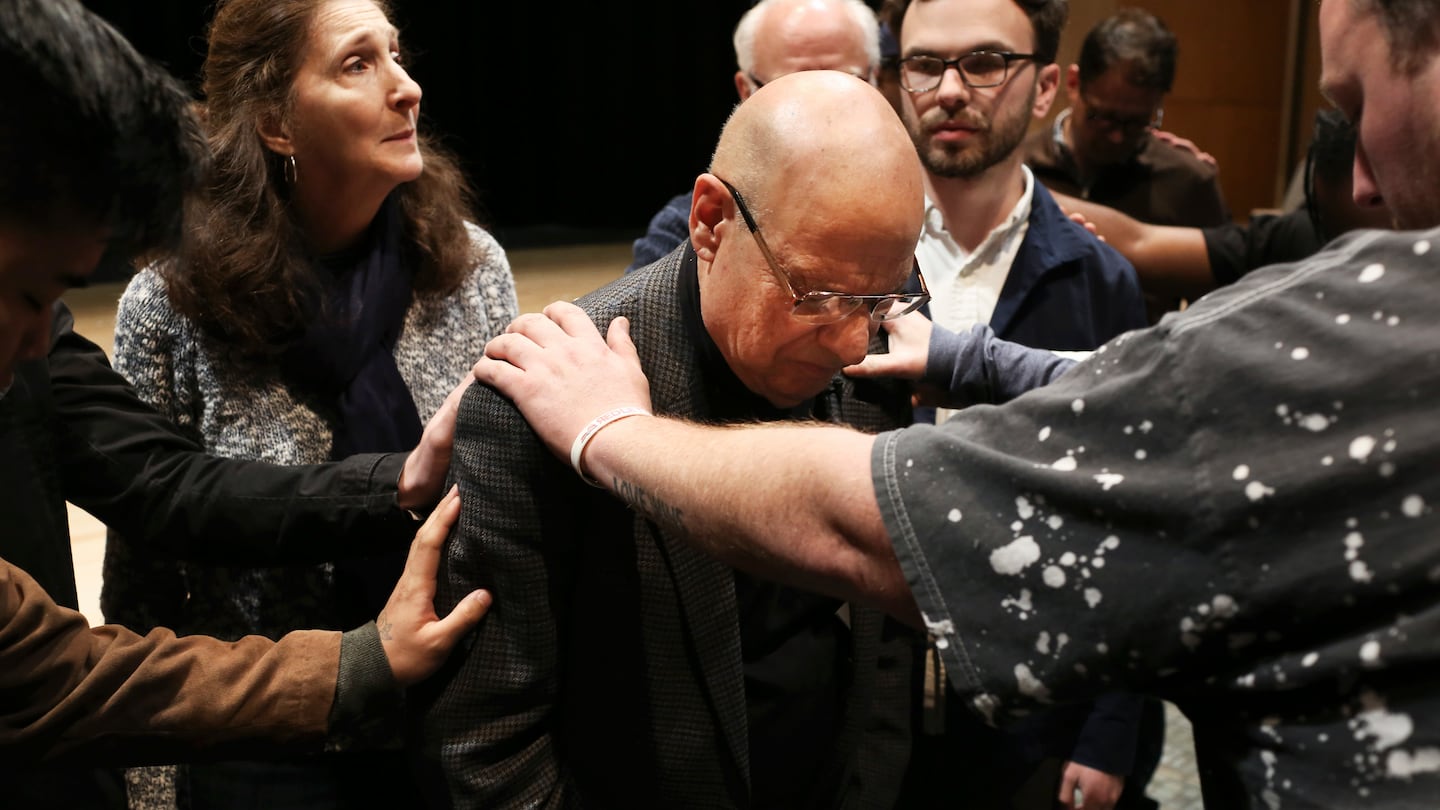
column 106, row 695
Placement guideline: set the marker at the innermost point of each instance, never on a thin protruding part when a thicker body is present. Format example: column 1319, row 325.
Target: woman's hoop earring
column 292, row 174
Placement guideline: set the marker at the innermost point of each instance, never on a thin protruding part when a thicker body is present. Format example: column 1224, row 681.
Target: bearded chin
column 959, row 164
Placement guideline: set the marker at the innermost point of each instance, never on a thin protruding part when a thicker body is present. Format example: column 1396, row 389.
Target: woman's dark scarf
column 346, row 358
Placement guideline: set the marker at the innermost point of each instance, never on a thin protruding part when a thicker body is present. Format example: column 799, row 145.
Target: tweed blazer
column 609, row 673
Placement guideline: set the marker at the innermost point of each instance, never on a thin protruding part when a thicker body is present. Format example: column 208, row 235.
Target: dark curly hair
column 1047, row 18
column 243, row 272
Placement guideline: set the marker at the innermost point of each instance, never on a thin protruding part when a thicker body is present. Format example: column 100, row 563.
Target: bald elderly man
column 773, row 39
column 622, row 668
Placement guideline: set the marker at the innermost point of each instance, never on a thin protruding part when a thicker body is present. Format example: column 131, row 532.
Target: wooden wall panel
column 1235, row 92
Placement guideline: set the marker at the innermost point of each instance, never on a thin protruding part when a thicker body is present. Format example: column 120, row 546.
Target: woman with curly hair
column 330, row 291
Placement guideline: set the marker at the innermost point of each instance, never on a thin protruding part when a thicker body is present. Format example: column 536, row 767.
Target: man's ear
column 1046, row 85
column 275, row 134
column 707, row 211
column 743, row 88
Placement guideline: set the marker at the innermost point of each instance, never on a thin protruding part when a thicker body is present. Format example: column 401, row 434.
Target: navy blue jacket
column 1066, row 290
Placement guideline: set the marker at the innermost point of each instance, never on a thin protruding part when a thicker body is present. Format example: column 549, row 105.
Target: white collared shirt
column 964, row 288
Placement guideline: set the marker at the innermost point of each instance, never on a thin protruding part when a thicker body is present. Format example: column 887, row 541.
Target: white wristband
column 596, row 425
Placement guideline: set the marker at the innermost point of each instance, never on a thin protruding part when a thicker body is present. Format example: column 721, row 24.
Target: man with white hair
column 775, row 38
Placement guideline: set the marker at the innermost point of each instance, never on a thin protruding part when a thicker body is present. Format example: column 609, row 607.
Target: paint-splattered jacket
column 1235, row 510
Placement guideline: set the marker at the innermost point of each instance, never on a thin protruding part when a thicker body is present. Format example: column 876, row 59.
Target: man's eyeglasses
column 980, row 69
column 1131, row 126
column 825, row 306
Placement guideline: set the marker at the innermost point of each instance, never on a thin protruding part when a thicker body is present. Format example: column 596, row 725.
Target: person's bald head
column 779, row 37
column 832, row 181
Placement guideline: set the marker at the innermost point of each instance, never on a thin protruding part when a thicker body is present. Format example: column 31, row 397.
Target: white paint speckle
column 1372, row 274
column 1422, row 247
column 1044, row 433
column 1066, row 464
column 944, row 627
column 1017, row 526
column 909, row 463
column 1242, row 472
column 1300, row 353
column 1354, row 541
column 1042, row 643
column 1140, row 455
column 1029, row 685
column 1024, row 508
column 1403, row 764
column 1092, row 597
column 1386, row 469
column 1054, row 576
column 1256, row 490
column 1111, row 543
column 1370, row 652
column 1055, row 522
column 1224, row 606
column 1327, row 461
column 1342, row 319
column 1361, row 447
column 1393, row 320
column 1147, row 426
column 1067, row 559
column 954, row 516
column 1078, row 406
column 1309, row 660
column 1413, row 506
column 1360, row 572
column 1315, row 423
column 1108, row 481
column 1010, row 560
column 1384, row 728
column 1098, row 562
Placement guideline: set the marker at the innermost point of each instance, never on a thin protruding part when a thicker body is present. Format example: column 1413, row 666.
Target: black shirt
column 793, row 644
column 1235, row 249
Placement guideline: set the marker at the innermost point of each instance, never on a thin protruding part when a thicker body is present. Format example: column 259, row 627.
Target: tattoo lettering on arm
column 386, row 628
column 670, row 518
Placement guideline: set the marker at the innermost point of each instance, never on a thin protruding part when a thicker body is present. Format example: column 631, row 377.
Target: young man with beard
column 996, row 249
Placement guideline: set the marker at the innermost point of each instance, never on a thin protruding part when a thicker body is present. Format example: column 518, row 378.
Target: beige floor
column 541, row 276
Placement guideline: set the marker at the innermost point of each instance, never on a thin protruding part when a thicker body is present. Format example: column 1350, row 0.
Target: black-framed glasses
column 978, row 69
column 1131, row 126
column 863, row 75
column 826, row 306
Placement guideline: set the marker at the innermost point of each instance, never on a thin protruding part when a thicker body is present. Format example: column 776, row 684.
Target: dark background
column 575, row 120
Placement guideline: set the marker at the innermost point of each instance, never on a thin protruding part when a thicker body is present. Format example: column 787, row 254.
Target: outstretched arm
column 958, row 369
column 107, row 695
column 814, row 523
column 1170, row 261
column 128, row 465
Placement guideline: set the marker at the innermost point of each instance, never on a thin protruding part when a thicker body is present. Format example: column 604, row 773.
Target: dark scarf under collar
column 346, row 356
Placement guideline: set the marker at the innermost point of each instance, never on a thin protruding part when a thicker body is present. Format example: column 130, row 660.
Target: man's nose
column 1364, row 188
column 849, row 339
column 953, row 92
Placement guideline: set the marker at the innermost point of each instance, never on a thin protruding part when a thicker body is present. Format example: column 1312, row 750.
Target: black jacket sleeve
column 127, row 465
